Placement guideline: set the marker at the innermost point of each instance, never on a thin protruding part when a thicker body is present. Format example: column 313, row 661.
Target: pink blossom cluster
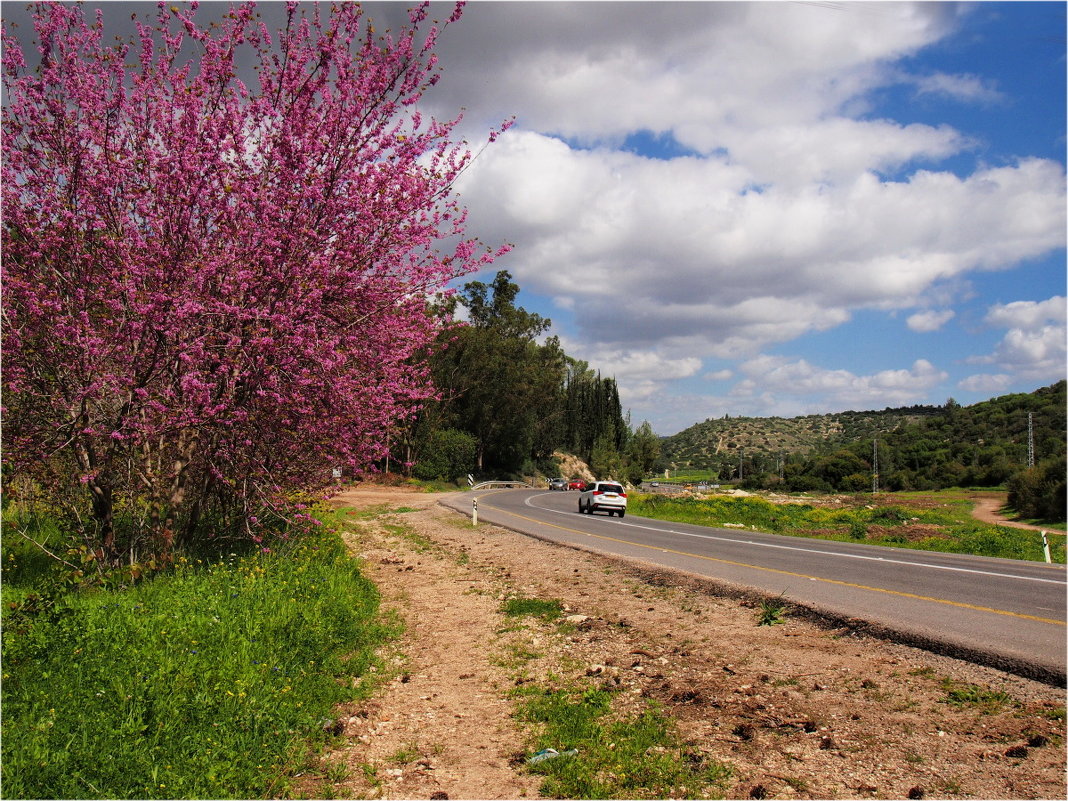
column 216, row 291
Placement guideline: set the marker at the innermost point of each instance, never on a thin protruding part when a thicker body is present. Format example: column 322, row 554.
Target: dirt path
column 441, row 728
column 988, row 506
column 797, row 710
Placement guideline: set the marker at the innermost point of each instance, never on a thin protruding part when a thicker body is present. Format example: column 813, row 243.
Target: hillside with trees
column 723, row 440
column 915, row 448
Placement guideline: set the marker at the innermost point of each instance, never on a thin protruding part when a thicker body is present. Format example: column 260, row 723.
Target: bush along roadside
column 212, row 680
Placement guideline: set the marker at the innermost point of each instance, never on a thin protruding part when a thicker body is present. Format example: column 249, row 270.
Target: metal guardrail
column 486, row 484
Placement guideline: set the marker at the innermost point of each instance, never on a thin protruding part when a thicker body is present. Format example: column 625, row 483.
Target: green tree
column 837, row 466
column 519, row 400
column 605, row 459
column 497, row 383
column 593, row 411
column 450, row 455
column 643, row 452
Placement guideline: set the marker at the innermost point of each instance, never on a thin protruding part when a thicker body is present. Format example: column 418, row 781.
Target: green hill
column 705, row 444
column 919, row 447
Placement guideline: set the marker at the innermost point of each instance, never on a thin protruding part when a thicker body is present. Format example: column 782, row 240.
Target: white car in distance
column 603, row 495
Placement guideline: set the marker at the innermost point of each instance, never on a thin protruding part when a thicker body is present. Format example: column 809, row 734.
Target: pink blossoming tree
column 216, row 292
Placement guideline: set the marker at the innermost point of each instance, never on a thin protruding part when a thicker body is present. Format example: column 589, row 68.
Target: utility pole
column 875, row 468
column 1030, row 439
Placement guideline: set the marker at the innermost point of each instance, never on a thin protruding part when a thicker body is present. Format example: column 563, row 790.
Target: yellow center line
column 788, row 572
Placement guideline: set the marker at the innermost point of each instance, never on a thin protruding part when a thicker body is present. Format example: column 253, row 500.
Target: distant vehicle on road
column 607, row 495
column 558, row 483
column 575, row 484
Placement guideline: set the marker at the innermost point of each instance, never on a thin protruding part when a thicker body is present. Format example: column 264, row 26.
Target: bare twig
column 47, row 552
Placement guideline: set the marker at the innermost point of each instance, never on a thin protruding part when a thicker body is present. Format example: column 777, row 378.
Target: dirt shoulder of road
column 797, row 710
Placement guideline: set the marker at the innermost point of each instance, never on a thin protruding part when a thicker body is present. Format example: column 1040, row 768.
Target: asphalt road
column 1000, row 612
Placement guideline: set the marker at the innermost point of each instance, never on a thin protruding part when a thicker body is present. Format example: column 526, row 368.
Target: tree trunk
column 104, row 515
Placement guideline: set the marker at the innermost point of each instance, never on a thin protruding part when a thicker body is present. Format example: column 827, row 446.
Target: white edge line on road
column 527, row 502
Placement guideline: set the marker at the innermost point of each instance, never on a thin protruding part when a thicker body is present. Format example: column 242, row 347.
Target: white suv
column 607, row 495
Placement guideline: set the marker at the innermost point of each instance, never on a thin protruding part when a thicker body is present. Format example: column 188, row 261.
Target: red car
column 577, row 485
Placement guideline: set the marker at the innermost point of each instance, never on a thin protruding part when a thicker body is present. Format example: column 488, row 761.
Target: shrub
column 449, row 456
column 1039, row 492
column 889, row 515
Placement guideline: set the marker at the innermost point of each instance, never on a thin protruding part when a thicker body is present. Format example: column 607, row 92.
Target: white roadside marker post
column 474, row 512
column 1045, row 548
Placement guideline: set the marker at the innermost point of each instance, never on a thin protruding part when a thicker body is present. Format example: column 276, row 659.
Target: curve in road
column 1004, row 613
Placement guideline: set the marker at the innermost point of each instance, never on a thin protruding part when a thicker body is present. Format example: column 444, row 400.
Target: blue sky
column 776, row 208
column 772, row 208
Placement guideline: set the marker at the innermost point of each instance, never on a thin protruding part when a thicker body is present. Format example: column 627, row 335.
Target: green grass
column 533, row 607
column 688, row 480
column 417, row 541
column 772, row 612
column 400, row 530
column 948, row 528
column 634, row 756
column 963, row 694
column 436, row 485
column 376, row 511
column 211, row 680
column 406, row 753
column 1054, row 713
column 639, row 755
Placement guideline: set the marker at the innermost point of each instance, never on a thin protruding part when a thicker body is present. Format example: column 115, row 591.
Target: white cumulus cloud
column 966, row 88
column 986, row 383
column 1033, row 346
column 788, row 201
column 930, row 320
column 783, row 378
